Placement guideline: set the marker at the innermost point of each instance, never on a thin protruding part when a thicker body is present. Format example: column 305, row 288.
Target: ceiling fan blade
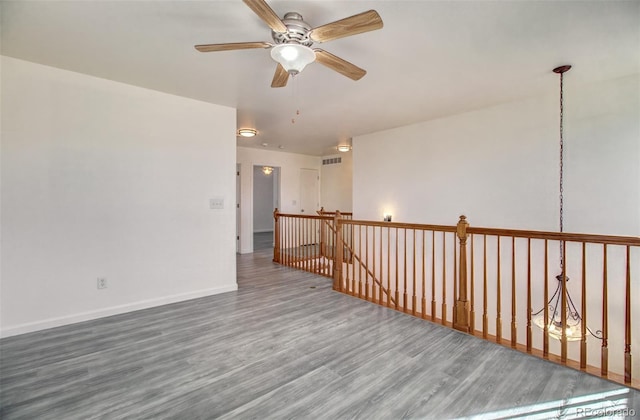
column 266, row 13
column 280, row 77
column 356, row 24
column 232, row 46
column 338, row 64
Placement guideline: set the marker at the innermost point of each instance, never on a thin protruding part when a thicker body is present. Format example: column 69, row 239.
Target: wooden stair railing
column 297, row 242
column 341, row 243
column 450, row 274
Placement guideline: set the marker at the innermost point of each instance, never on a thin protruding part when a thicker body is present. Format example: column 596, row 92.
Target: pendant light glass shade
column 573, row 327
column 293, row 57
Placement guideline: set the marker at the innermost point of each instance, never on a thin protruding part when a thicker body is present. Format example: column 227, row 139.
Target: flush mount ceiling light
column 267, row 170
column 293, row 57
column 344, row 148
column 247, row 132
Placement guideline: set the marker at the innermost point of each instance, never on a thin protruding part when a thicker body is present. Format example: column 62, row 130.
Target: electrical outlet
column 102, row 282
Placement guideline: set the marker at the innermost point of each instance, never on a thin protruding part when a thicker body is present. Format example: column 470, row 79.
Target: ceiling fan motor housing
column 297, row 31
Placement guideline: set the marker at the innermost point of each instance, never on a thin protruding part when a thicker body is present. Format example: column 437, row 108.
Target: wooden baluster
column 472, row 312
column 337, row 263
column 499, row 299
column 485, row 316
column 389, row 267
column 293, row 244
column 583, row 310
column 283, row 250
column 461, row 320
column 353, row 263
column 276, row 236
column 327, row 268
column 604, row 351
column 454, row 314
column 444, row 278
column 380, row 294
column 413, row 298
column 311, row 251
column 545, row 336
column 529, row 310
column 366, row 264
column 627, row 323
column 305, row 243
column 397, row 277
column 290, row 250
column 286, row 239
column 316, row 241
column 302, row 260
column 563, row 313
column 433, row 275
column 514, row 332
column 299, row 241
column 373, row 264
column 347, row 281
column 404, row 271
column 424, row 279
column 360, row 265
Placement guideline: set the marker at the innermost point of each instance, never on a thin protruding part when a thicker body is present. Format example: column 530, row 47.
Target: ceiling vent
column 332, row 161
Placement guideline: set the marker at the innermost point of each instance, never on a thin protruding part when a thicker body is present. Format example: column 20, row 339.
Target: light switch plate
column 216, row 203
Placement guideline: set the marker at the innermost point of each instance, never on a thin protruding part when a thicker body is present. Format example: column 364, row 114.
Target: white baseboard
column 113, row 310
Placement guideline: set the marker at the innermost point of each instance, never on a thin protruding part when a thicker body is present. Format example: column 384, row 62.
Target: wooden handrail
column 558, row 236
column 417, row 226
column 305, row 216
column 322, row 211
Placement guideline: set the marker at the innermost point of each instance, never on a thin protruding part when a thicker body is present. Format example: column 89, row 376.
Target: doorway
column 238, row 213
column 266, row 197
column 309, row 191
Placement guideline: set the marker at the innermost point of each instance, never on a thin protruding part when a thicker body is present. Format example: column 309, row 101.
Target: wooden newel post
column 461, row 322
column 337, row 253
column 276, row 236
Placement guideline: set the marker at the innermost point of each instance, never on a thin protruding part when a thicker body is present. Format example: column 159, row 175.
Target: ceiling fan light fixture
column 247, row 132
column 293, row 57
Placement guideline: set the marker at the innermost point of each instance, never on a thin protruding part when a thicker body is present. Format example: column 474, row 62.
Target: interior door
column 309, row 191
column 238, row 220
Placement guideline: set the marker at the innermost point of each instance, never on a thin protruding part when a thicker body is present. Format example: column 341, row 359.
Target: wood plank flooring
column 283, row 346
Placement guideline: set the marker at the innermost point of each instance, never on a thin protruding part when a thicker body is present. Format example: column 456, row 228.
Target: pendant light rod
column 561, row 70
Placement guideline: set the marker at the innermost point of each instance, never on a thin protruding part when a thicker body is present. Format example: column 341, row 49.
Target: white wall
column 263, row 200
column 103, row 179
column 337, row 183
column 289, row 164
column 499, row 165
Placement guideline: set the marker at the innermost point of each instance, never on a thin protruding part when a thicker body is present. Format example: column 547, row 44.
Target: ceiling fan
column 293, row 38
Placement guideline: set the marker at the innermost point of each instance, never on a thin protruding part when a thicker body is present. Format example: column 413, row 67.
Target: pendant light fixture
column 571, row 326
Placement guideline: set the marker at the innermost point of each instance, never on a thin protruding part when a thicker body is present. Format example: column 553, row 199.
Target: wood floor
column 283, row 346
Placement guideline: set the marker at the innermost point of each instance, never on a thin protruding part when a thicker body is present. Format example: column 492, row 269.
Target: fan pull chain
column 295, row 98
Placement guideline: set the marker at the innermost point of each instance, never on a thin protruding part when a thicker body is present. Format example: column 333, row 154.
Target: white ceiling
column 431, row 59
